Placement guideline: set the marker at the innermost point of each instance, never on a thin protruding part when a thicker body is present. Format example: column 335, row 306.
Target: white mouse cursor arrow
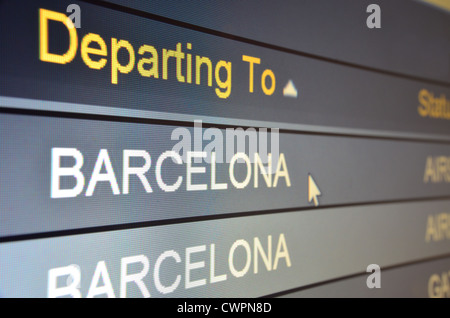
column 313, row 191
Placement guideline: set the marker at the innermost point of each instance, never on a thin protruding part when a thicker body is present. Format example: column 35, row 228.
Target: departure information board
column 224, row 149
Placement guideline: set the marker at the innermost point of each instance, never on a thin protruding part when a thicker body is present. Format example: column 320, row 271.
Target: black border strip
column 129, row 226
column 168, row 122
column 343, row 278
column 205, row 30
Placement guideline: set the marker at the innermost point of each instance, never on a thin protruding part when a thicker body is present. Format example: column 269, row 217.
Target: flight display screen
column 226, row 149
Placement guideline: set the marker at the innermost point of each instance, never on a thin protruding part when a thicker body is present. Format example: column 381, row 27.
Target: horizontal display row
column 236, row 257
column 130, row 62
column 78, row 173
